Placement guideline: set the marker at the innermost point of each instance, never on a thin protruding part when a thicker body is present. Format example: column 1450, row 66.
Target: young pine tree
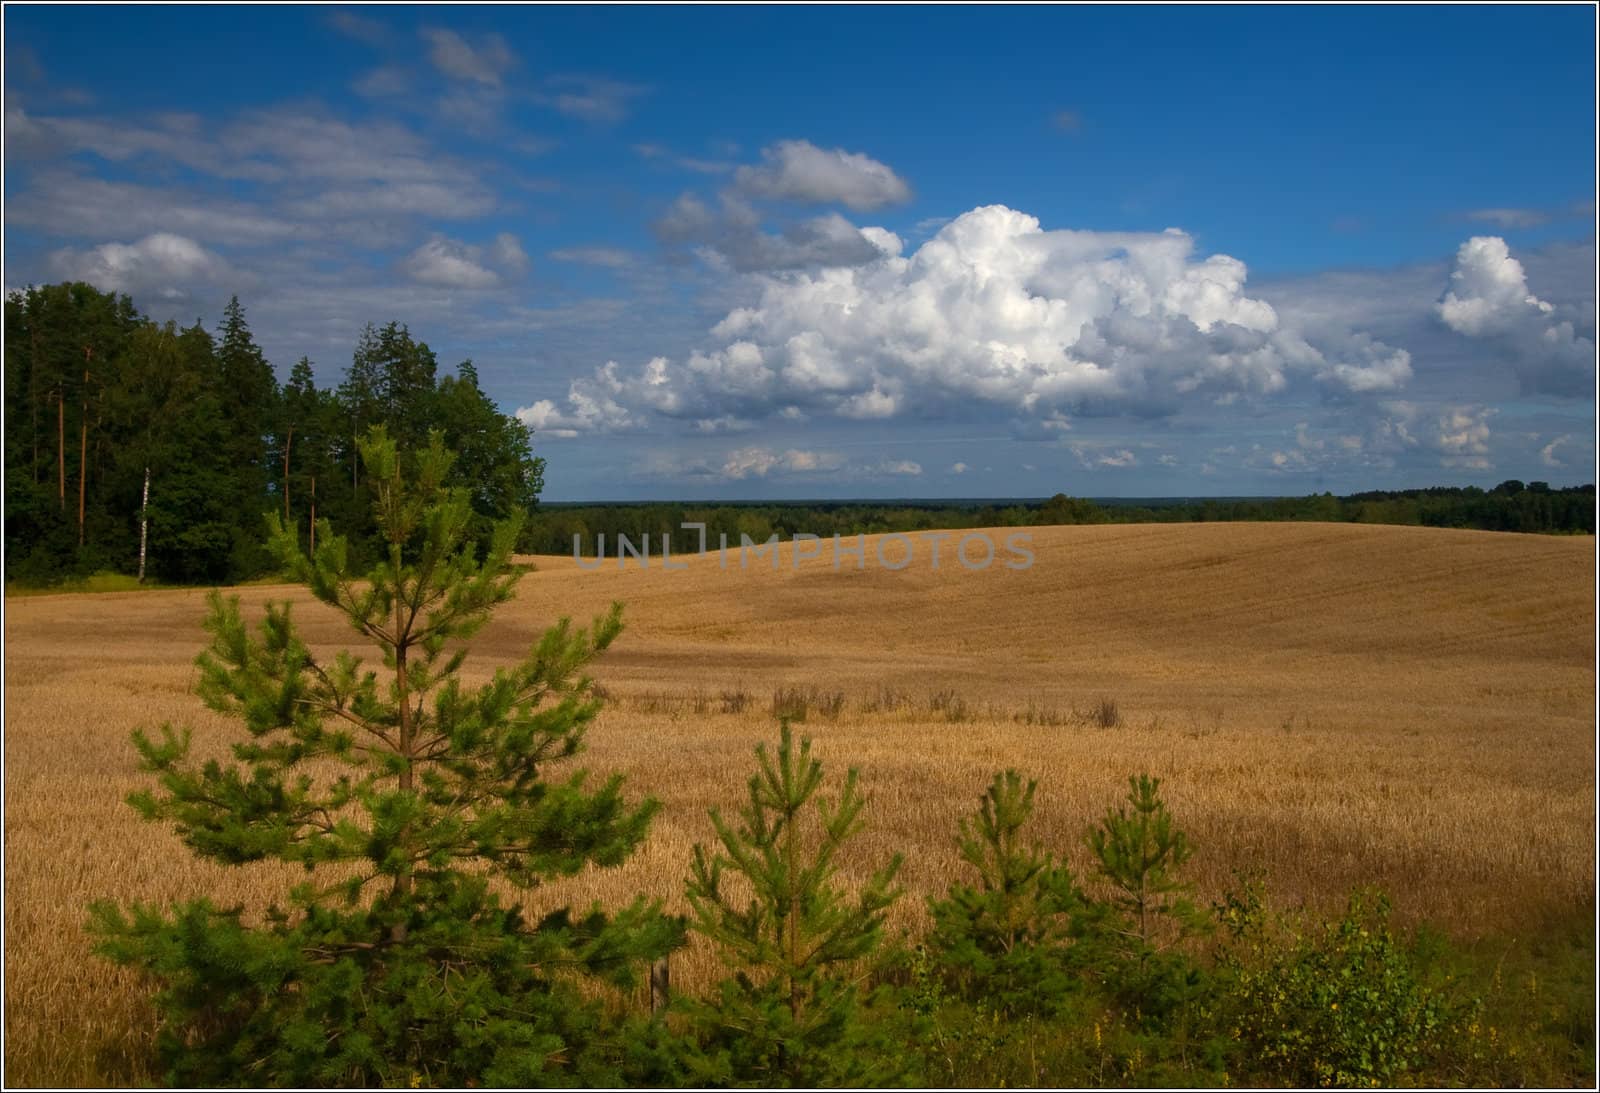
column 1009, row 940
column 1139, row 853
column 401, row 791
column 790, row 1013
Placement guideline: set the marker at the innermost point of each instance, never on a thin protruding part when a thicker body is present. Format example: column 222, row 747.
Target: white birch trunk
column 144, row 522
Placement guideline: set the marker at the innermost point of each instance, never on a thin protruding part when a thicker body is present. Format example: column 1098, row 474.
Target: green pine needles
column 796, row 939
column 1140, row 853
column 402, row 792
column 1009, row 938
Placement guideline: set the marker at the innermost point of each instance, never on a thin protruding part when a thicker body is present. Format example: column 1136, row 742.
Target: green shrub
column 1338, row 1004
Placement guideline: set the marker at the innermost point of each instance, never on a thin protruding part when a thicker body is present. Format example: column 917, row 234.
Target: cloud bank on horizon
column 992, row 313
column 673, row 311
column 996, row 317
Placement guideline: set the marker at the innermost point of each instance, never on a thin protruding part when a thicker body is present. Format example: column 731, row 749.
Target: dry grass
column 1334, row 704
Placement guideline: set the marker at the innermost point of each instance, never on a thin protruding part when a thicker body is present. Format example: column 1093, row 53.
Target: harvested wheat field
column 1333, row 704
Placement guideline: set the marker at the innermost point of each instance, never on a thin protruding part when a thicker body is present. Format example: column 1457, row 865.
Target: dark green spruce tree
column 790, row 1013
column 402, row 792
column 247, row 391
column 303, row 453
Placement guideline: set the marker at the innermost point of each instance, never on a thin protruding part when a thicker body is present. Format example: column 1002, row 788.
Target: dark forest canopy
column 98, row 397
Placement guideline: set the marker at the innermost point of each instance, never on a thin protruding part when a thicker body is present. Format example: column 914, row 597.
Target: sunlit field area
column 1328, row 706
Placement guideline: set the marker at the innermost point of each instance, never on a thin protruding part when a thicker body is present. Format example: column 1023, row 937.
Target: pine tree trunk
column 313, row 514
column 61, row 448
column 660, row 985
column 83, row 445
column 791, row 852
column 33, row 398
column 288, row 443
column 144, row 522
column 1144, row 929
column 402, row 882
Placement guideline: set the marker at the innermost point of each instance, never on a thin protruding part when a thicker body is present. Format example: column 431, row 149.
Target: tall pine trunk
column 288, row 443
column 61, row 448
column 406, row 781
column 33, row 398
column 83, row 447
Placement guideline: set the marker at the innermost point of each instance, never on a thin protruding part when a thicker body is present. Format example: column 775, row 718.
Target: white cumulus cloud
column 591, row 407
column 1488, row 297
column 1488, row 291
column 995, row 312
column 161, row 262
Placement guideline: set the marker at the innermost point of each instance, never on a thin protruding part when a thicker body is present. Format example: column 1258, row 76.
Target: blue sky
column 868, row 251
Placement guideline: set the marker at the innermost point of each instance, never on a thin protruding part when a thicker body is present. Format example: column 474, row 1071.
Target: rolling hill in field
column 1333, row 705
column 1339, row 616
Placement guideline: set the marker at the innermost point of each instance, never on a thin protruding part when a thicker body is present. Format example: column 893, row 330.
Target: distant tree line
column 105, row 407
column 1510, row 506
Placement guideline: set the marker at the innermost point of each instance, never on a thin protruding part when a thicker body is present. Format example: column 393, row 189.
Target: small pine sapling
column 1009, row 939
column 1139, row 852
column 768, row 899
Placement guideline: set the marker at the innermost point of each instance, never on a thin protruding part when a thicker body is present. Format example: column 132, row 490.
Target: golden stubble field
column 1334, row 704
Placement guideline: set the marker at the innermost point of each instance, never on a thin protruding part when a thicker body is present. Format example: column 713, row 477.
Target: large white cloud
column 1489, row 298
column 1488, row 291
column 994, row 311
column 797, row 170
